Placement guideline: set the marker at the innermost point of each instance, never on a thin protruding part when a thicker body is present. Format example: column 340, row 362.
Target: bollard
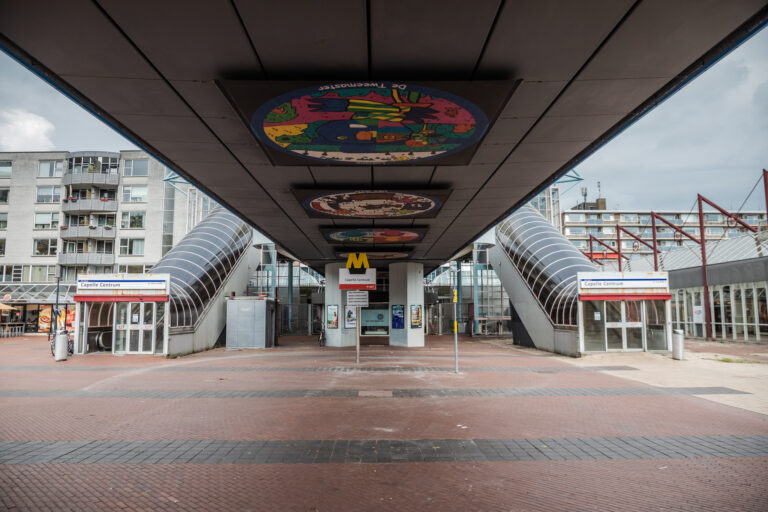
column 60, row 348
column 677, row 344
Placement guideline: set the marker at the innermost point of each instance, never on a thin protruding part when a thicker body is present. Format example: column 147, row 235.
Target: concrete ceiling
column 587, row 68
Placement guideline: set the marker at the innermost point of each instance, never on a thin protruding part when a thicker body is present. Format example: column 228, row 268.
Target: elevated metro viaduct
column 403, row 129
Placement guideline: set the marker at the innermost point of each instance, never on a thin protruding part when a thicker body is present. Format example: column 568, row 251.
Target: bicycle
column 321, row 339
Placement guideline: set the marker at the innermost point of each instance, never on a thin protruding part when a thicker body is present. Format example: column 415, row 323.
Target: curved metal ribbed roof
column 547, row 261
column 201, row 262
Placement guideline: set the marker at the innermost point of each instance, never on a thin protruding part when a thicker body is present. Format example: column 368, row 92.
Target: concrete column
column 339, row 337
column 406, row 287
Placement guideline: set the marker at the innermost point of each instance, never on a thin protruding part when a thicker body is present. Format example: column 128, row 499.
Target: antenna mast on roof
column 599, row 193
column 584, row 194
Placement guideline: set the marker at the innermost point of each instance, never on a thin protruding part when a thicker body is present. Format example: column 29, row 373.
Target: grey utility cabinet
column 250, row 322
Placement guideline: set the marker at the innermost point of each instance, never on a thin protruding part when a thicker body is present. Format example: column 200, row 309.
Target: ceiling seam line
column 186, row 103
column 488, row 38
column 65, row 88
column 540, row 117
column 368, row 36
column 248, row 36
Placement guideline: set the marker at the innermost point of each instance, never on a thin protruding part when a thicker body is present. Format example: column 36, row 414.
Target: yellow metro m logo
column 357, row 260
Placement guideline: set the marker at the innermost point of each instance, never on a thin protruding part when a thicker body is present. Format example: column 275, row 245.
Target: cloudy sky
column 711, row 137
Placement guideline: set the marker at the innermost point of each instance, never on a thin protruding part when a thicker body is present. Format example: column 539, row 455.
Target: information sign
column 348, row 281
column 357, row 298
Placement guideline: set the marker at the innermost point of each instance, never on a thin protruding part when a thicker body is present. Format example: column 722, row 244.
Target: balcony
column 98, row 232
column 88, row 206
column 86, row 258
column 98, row 179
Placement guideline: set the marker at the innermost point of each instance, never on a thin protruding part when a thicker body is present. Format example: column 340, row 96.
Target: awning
column 621, row 296
column 121, row 298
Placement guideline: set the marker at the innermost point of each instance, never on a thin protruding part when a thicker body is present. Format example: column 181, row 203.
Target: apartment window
column 3, row 220
column 691, row 231
column 75, row 247
column 574, row 217
column 133, row 269
column 46, row 220
column 136, row 168
column 2, row 246
column 5, row 169
column 715, row 231
column 629, row 217
column 70, row 273
column 132, row 220
column 132, row 246
column 50, row 168
column 45, row 247
column 607, row 216
column 107, row 195
column 609, row 230
column 105, row 221
column 644, row 219
column 713, row 217
column 48, row 194
column 78, row 220
column 4, row 195
column 43, row 273
column 103, row 269
column 575, row 231
column 134, row 193
column 105, row 247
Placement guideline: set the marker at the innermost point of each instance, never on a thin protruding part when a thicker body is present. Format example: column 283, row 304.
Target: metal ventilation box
column 250, row 322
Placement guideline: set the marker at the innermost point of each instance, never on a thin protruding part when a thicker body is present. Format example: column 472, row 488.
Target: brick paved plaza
column 302, row 428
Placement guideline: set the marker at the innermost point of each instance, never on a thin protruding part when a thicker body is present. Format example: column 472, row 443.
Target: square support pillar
column 406, row 288
column 339, row 337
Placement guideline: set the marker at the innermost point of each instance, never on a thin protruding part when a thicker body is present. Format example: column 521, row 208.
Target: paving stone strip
column 350, row 393
column 380, row 451
column 342, row 369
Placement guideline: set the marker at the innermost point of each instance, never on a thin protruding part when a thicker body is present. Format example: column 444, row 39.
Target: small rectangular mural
column 372, row 204
column 398, row 316
column 367, row 235
column 332, row 321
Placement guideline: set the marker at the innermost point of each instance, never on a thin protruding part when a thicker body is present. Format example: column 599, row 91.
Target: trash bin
column 60, row 348
column 677, row 344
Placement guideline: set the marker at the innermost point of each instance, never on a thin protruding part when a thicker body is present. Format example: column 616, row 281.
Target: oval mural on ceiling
column 373, row 236
column 373, row 204
column 380, row 255
column 369, row 123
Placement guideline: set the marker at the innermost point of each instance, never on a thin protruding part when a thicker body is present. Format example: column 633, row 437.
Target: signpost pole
column 357, row 336
column 455, row 333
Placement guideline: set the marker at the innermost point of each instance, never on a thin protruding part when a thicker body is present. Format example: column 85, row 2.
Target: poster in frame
column 332, row 318
column 416, row 316
column 398, row 316
column 350, row 317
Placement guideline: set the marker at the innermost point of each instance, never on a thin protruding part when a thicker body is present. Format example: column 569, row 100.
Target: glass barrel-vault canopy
column 547, row 261
column 200, row 264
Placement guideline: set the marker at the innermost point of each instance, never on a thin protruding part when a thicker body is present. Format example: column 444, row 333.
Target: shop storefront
column 122, row 313
column 33, row 305
column 624, row 311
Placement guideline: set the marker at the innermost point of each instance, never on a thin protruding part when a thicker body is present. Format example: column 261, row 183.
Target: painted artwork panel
column 398, row 316
column 373, row 236
column 372, row 204
column 381, row 255
column 369, row 123
column 332, row 320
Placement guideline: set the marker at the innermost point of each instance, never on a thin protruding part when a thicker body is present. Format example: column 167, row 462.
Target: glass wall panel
column 762, row 312
column 121, row 326
column 717, row 317
column 749, row 307
column 594, row 325
column 160, row 329
column 738, row 313
column 613, row 315
column 633, row 314
column 727, row 313
column 655, row 325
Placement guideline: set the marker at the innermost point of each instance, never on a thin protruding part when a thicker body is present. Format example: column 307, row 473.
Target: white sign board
column 123, row 284
column 627, row 283
column 698, row 314
column 357, row 298
column 365, row 281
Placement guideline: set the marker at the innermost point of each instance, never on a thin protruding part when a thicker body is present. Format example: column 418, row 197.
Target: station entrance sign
column 357, row 275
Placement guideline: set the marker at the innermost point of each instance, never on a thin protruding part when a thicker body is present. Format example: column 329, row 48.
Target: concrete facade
column 339, row 337
column 86, row 234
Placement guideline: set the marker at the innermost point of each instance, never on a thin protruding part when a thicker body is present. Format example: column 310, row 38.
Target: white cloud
column 21, row 130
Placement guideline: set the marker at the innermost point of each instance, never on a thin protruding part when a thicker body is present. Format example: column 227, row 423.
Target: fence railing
column 11, row 330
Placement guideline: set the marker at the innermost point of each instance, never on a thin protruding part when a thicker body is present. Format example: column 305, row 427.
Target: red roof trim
column 121, row 298
column 620, row 296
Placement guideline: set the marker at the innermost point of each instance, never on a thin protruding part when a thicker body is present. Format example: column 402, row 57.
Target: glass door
column 134, row 327
column 614, row 325
column 624, row 325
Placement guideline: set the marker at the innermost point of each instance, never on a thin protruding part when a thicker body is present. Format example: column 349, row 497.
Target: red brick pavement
column 689, row 484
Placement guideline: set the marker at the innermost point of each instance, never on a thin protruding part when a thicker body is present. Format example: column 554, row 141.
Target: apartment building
column 579, row 224
column 85, row 212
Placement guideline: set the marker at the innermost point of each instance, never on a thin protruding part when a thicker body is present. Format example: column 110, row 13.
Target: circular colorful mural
column 373, row 236
column 373, row 204
column 369, row 123
column 393, row 255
